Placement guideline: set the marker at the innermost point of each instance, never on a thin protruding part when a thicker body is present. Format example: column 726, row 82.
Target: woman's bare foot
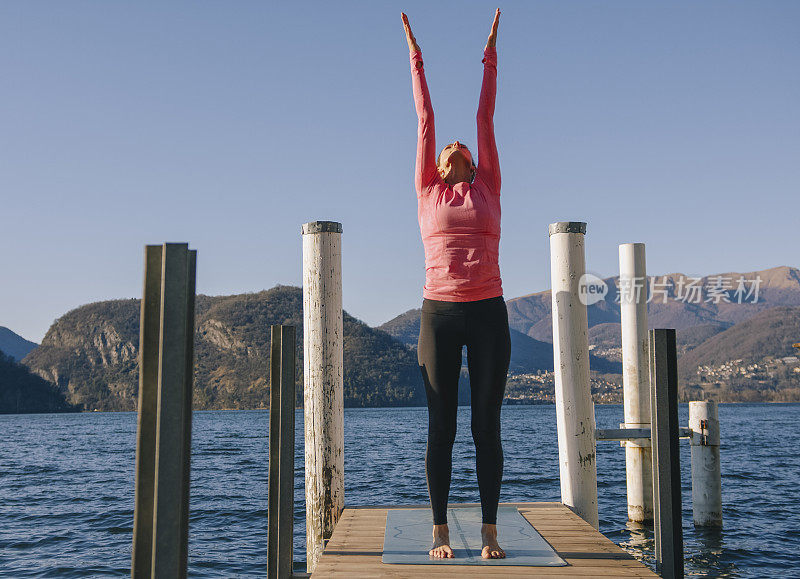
column 441, row 543
column 490, row 548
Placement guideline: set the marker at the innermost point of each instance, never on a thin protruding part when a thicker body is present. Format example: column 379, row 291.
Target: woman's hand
column 492, row 42
column 412, row 42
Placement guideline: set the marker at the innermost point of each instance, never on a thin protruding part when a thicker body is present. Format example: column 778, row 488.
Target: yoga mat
column 408, row 538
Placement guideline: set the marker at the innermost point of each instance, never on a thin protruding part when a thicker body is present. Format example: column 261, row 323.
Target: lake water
column 67, row 482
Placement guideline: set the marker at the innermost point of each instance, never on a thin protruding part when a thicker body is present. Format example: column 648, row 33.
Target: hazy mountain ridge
column 14, row 345
column 91, row 352
column 779, row 286
column 713, row 333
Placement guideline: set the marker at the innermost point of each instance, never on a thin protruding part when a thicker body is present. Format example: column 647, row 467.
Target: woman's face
column 455, row 153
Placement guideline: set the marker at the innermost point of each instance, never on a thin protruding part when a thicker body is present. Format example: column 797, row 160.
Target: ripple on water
column 66, row 501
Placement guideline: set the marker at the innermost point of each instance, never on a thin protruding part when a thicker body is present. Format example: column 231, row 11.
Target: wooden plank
column 381, row 570
column 356, row 547
column 367, row 562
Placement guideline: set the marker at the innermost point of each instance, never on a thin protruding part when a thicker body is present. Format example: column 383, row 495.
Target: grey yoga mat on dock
column 408, row 538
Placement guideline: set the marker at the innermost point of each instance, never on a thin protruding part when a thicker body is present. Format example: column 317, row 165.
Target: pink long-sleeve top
column 460, row 224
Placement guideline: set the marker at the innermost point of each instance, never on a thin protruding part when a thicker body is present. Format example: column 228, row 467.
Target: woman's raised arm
column 425, row 171
column 488, row 159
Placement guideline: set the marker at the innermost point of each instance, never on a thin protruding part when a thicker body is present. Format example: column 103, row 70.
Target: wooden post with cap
column 323, row 393
column 574, row 406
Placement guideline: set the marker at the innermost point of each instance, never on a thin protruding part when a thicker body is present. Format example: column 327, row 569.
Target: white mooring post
column 574, row 406
column 636, row 379
column 706, row 473
column 323, row 389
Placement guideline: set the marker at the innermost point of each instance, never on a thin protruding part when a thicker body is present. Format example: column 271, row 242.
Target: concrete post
column 323, row 388
column 574, row 406
column 636, row 379
column 706, row 473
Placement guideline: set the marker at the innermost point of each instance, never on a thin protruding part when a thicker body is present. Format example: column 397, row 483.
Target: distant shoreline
column 364, row 408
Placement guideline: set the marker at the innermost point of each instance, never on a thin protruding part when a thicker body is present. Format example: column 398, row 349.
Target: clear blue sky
column 229, row 124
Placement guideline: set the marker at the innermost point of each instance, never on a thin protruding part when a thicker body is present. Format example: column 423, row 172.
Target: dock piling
column 163, row 449
column 574, row 406
column 323, row 395
column 706, row 471
column 636, row 379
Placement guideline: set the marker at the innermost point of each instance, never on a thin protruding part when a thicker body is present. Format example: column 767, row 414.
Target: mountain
column 738, row 351
column 607, row 337
column 404, row 327
column 778, row 286
column 22, row 392
column 14, row 345
column 689, row 338
column 752, row 361
column 91, row 353
column 729, row 342
column 770, row 333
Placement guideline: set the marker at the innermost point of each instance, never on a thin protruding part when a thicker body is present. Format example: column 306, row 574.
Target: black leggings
column 483, row 327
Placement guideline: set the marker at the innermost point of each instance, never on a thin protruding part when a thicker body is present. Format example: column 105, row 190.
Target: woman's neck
column 458, row 175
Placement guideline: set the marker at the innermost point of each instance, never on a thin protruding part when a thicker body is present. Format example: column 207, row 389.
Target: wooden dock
column 356, row 547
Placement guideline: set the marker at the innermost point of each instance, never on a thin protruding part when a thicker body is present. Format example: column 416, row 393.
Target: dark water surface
column 66, row 486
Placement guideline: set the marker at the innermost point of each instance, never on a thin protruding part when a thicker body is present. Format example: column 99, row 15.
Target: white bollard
column 323, row 388
column 636, row 379
column 574, row 406
column 706, row 473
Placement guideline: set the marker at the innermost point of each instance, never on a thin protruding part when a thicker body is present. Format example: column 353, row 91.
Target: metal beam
column 286, row 475
column 666, row 457
column 633, row 433
column 142, row 552
column 166, row 362
column 274, row 453
column 281, row 453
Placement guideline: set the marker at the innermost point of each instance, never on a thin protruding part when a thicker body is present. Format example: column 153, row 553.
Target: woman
column 459, row 218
